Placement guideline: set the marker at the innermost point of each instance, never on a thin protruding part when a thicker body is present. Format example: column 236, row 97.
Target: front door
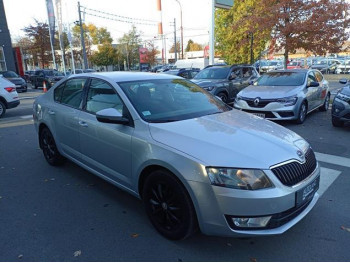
column 105, row 147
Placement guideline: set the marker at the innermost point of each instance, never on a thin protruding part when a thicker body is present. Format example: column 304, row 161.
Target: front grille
column 262, row 102
column 292, row 173
column 268, row 114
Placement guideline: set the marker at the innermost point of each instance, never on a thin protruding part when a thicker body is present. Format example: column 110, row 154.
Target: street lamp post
column 182, row 31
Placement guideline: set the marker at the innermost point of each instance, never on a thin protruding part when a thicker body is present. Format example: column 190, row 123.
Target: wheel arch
column 2, row 99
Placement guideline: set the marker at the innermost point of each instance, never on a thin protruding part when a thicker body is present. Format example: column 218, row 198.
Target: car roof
column 122, row 76
column 293, row 70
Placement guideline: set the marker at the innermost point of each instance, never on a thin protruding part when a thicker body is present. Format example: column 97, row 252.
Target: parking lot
column 68, row 214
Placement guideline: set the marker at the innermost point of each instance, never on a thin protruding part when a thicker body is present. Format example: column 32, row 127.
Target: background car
column 296, row 64
column 341, row 105
column 49, row 76
column 188, row 73
column 343, row 67
column 194, row 161
column 268, row 65
column 8, row 96
column 285, row 95
column 21, row 84
column 28, row 74
column 326, row 66
column 226, row 81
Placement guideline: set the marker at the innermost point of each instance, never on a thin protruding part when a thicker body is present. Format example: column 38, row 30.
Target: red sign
column 143, row 55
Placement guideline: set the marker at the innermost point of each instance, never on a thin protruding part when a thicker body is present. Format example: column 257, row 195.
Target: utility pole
column 175, row 44
column 85, row 66
column 251, row 48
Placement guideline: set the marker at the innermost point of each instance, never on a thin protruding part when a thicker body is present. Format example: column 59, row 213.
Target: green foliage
column 106, row 55
column 192, row 46
column 130, row 43
column 234, row 31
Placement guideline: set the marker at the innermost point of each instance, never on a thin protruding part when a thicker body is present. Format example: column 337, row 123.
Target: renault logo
column 256, row 101
column 300, row 154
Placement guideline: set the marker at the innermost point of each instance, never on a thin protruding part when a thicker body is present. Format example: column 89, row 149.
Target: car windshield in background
column 213, row 73
column 9, row 74
column 49, row 73
column 171, row 72
column 294, row 63
column 171, row 100
column 281, row 79
column 59, row 74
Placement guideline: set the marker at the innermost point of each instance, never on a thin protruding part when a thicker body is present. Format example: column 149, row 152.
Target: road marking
column 328, row 176
column 26, row 116
column 17, row 123
column 333, row 159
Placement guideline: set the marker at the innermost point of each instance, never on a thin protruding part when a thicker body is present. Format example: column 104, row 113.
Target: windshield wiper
column 163, row 121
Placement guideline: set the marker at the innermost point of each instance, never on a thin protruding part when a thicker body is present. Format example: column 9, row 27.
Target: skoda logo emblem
column 300, row 154
column 256, row 101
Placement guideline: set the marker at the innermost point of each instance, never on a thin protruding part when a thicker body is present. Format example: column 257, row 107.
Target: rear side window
column 58, row 93
column 73, row 92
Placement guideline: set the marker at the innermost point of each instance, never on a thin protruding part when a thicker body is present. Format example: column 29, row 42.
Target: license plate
column 261, row 115
column 306, row 194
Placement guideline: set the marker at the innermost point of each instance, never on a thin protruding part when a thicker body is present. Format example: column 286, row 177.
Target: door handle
column 51, row 112
column 83, row 124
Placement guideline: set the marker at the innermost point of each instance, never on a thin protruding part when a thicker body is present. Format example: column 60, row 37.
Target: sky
column 195, row 15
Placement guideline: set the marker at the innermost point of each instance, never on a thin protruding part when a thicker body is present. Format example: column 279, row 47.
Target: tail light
column 10, row 89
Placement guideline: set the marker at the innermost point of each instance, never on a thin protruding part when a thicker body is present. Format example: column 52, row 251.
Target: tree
column 178, row 48
column 40, row 37
column 318, row 26
column 26, row 45
column 234, row 31
column 106, row 55
column 192, row 46
column 152, row 53
column 130, row 43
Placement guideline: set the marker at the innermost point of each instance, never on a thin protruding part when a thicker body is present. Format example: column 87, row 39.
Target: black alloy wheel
column 223, row 97
column 302, row 113
column 169, row 206
column 50, row 151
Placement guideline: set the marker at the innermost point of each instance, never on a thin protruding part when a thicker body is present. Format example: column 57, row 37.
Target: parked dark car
column 20, row 83
column 326, row 66
column 28, row 74
column 226, row 81
column 341, row 105
column 187, row 73
column 49, row 76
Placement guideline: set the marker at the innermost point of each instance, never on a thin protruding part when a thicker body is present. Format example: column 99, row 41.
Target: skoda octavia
column 194, row 161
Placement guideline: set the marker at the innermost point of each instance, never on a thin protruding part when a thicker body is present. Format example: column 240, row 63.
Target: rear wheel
column 337, row 122
column 325, row 105
column 50, row 151
column 169, row 206
column 2, row 108
column 302, row 113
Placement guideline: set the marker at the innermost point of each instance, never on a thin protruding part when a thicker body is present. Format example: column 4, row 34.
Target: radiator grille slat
column 292, row 173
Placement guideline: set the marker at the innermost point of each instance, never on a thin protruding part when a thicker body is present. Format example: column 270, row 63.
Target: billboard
column 51, row 16
column 143, row 55
column 227, row 4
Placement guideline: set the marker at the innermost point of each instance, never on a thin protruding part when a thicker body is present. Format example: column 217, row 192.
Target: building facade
column 6, row 53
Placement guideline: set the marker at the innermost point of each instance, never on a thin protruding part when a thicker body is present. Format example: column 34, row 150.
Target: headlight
column 343, row 97
column 238, row 98
column 288, row 101
column 238, row 178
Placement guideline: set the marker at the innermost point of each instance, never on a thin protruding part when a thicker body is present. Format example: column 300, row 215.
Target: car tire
column 223, row 97
column 336, row 122
column 2, row 109
column 169, row 206
column 50, row 151
column 302, row 113
column 325, row 105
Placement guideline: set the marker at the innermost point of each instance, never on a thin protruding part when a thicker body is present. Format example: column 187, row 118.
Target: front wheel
column 223, row 97
column 169, row 206
column 302, row 113
column 50, row 151
column 325, row 105
column 336, row 122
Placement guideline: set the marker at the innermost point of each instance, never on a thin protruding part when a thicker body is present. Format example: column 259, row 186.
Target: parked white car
column 8, row 96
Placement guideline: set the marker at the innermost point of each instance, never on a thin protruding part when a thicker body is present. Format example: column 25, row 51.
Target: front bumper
column 341, row 110
column 272, row 111
column 219, row 204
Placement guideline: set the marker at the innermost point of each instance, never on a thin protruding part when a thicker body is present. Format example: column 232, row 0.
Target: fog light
column 253, row 222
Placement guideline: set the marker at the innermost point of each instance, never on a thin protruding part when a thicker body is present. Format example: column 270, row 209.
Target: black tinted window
column 72, row 92
column 102, row 96
column 281, row 79
column 58, row 92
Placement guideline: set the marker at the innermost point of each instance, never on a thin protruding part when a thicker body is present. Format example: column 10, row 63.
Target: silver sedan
column 194, row 161
column 285, row 95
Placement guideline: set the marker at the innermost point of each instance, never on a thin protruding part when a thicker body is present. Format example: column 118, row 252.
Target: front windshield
column 49, row 73
column 281, row 79
column 171, row 72
column 9, row 74
column 213, row 73
column 170, row 100
column 321, row 62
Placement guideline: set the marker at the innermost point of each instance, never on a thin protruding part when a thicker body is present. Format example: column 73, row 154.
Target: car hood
column 208, row 82
column 345, row 90
column 231, row 139
column 17, row 81
column 319, row 66
column 269, row 92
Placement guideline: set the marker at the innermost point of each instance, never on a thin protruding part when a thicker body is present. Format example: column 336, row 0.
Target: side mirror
column 111, row 115
column 343, row 81
column 314, row 84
